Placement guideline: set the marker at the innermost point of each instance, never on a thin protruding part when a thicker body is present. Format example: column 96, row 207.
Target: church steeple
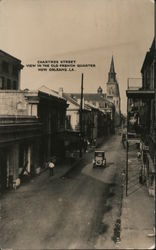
column 112, row 74
column 113, row 93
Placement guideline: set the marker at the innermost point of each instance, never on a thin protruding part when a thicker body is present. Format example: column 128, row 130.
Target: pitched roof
column 91, row 105
column 94, row 97
column 70, row 99
column 33, row 94
column 50, row 92
column 74, row 101
column 90, row 96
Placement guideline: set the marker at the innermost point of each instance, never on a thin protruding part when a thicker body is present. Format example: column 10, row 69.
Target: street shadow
column 105, row 175
column 135, row 178
column 107, row 208
column 133, row 185
column 135, row 190
column 102, row 228
column 109, row 164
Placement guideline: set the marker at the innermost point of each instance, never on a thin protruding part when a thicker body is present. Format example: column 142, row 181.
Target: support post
column 155, row 55
column 127, row 145
column 127, row 167
column 81, row 105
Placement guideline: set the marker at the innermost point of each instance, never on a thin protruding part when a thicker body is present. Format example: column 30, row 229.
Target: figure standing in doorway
column 51, row 166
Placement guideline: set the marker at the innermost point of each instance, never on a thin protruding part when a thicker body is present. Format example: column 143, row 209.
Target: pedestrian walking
column 51, row 166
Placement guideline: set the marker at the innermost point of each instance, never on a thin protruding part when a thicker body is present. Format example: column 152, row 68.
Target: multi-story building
column 141, row 116
column 19, row 139
column 10, row 68
column 100, row 101
column 32, row 129
column 32, row 125
column 51, row 111
column 78, row 124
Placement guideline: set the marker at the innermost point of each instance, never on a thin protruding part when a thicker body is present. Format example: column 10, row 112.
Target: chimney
column 61, row 92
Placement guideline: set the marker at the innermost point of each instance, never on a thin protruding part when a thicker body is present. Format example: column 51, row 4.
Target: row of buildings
column 36, row 125
column 141, row 116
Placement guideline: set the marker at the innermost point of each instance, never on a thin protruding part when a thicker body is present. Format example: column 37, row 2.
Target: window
column 2, row 83
column 8, row 84
column 14, row 85
column 68, row 121
column 5, row 67
column 15, row 71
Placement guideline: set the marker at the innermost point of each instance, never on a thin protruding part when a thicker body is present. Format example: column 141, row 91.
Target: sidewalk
column 137, row 218
column 39, row 181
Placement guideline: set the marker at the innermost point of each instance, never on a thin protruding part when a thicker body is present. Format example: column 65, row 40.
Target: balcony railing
column 17, row 119
column 134, row 83
column 140, row 83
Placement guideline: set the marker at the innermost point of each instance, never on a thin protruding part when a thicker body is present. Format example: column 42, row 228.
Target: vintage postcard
column 77, row 124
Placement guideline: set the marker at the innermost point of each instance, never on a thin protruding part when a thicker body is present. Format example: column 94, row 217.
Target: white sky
column 88, row 31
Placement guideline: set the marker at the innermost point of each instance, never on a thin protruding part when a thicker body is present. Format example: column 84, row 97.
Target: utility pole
column 127, row 167
column 81, row 107
column 155, row 88
column 155, row 55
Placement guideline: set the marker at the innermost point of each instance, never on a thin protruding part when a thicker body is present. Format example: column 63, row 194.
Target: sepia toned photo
column 77, row 124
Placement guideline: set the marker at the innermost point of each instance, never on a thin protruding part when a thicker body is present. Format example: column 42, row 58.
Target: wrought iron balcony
column 12, row 119
column 139, row 88
column 134, row 83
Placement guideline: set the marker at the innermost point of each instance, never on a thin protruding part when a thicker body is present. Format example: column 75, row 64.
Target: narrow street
column 76, row 211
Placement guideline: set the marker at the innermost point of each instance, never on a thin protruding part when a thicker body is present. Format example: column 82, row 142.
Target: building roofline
column 149, row 55
column 7, row 54
column 45, row 90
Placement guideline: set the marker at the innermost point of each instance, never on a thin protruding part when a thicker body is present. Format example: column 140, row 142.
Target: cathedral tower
column 113, row 93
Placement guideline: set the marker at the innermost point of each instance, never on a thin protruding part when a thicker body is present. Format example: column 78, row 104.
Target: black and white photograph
column 77, row 124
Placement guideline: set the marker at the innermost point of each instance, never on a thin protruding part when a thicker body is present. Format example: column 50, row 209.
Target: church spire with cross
column 113, row 92
column 112, row 74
